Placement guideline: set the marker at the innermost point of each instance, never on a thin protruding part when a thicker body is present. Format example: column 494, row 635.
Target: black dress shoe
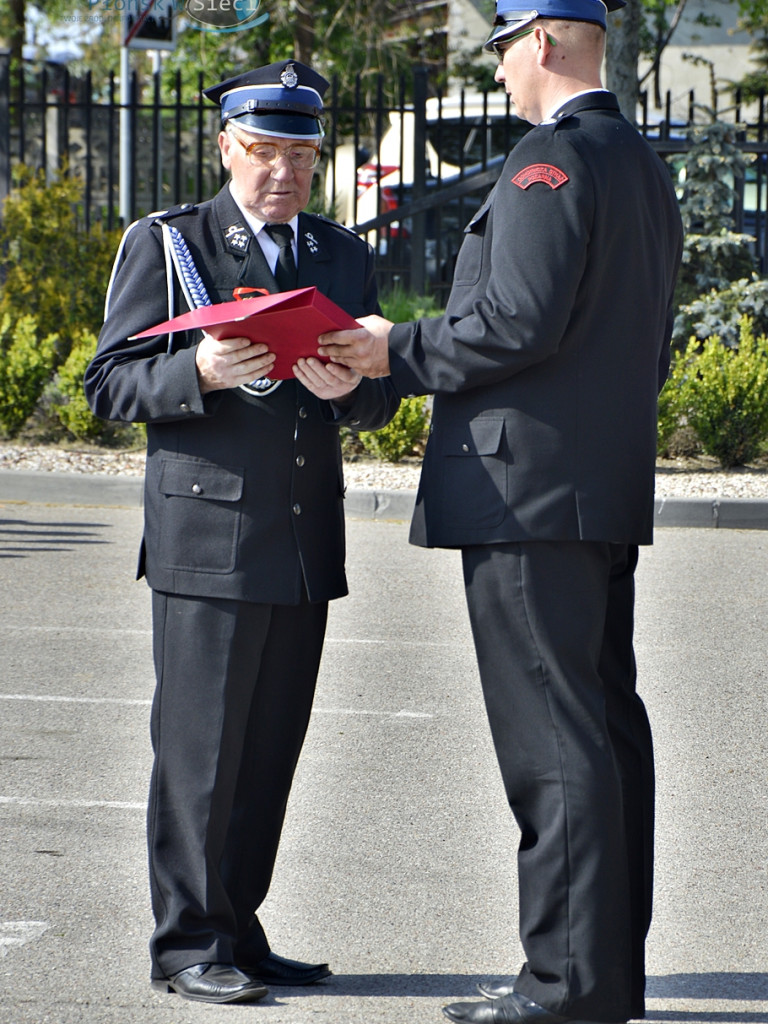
column 496, row 989
column 213, row 983
column 509, row 1009
column 277, row 970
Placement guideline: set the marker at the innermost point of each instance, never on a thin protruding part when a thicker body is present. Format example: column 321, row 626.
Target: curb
column 100, row 489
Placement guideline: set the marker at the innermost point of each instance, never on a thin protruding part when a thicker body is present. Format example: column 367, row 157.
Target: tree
column 13, row 22
column 621, row 56
column 754, row 19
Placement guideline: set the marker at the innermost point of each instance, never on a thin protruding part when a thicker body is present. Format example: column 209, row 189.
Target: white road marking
column 17, row 933
column 129, row 702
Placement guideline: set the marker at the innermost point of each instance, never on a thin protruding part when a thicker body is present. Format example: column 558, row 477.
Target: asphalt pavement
column 398, row 858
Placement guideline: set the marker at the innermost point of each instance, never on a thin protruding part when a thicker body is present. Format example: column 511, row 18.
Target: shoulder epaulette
column 173, row 211
column 335, row 224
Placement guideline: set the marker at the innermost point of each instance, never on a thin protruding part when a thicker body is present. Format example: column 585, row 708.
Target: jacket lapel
column 236, row 240
column 314, row 249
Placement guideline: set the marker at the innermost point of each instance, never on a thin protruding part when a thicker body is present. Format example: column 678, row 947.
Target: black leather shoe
column 496, row 989
column 509, row 1009
column 213, row 983
column 277, row 970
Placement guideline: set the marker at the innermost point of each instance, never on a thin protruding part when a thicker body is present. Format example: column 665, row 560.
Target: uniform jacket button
column 465, row 447
column 184, row 407
column 297, row 509
column 300, row 460
column 302, row 413
column 197, row 489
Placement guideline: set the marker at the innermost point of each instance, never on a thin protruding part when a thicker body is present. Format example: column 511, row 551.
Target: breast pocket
column 475, row 473
column 200, row 515
column 469, row 263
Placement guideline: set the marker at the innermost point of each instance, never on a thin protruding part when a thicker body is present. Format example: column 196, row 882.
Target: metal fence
column 407, row 175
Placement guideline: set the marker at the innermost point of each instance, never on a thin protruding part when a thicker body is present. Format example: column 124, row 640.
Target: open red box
column 289, row 322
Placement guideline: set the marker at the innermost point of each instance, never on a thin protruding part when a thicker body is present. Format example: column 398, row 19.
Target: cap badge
column 550, row 175
column 288, row 77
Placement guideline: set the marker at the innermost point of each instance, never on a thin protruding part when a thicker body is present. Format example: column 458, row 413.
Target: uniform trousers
column 235, row 684
column 553, row 625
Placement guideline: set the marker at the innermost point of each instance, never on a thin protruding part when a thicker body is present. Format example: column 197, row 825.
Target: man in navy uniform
column 540, row 466
column 244, row 525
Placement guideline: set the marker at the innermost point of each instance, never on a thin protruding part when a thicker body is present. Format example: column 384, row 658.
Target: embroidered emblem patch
column 237, row 238
column 550, row 175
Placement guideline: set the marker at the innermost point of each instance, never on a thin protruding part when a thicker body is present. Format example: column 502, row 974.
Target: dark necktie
column 285, row 271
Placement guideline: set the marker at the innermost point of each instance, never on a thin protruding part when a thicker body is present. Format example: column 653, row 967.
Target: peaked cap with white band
column 512, row 16
column 283, row 99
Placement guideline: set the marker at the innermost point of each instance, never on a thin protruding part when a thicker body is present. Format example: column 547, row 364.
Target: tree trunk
column 621, row 57
column 18, row 19
column 304, row 32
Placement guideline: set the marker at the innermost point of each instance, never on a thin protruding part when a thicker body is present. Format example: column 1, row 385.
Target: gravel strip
column 672, row 480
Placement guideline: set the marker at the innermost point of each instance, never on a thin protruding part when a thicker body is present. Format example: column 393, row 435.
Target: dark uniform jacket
column 547, row 363
column 243, row 494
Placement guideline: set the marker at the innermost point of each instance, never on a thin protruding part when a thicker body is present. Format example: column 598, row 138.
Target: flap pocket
column 188, row 478
column 479, row 437
column 478, row 219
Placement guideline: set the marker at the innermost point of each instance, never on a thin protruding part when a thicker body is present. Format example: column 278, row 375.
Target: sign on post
column 149, row 25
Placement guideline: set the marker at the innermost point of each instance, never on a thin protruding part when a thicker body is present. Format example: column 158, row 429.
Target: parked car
column 465, row 135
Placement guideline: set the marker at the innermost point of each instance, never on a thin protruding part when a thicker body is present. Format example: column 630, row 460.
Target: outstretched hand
column 365, row 350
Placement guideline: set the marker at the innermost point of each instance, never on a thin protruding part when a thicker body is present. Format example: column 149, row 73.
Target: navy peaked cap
column 283, row 99
column 511, row 15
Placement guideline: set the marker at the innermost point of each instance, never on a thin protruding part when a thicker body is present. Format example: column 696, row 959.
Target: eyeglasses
column 301, row 155
column 503, row 45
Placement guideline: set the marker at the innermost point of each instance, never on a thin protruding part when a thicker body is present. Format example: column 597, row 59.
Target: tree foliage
column 51, row 267
column 714, row 255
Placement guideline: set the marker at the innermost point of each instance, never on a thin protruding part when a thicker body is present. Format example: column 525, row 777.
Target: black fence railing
column 406, row 175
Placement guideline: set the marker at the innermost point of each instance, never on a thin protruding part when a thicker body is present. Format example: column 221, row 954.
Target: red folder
column 289, row 322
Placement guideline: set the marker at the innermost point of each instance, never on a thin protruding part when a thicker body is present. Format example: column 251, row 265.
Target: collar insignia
column 312, row 243
column 237, row 238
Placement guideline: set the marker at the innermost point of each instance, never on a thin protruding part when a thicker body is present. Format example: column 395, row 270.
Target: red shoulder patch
column 550, row 175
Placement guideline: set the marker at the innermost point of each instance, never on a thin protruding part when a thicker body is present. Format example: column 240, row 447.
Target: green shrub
column 67, row 400
column 50, row 266
column 404, row 435
column 719, row 313
column 64, row 411
column 673, row 399
column 26, row 364
column 726, row 394
column 401, row 306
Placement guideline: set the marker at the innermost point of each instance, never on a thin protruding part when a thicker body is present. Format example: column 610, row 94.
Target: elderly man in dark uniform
column 540, row 466
column 244, row 532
